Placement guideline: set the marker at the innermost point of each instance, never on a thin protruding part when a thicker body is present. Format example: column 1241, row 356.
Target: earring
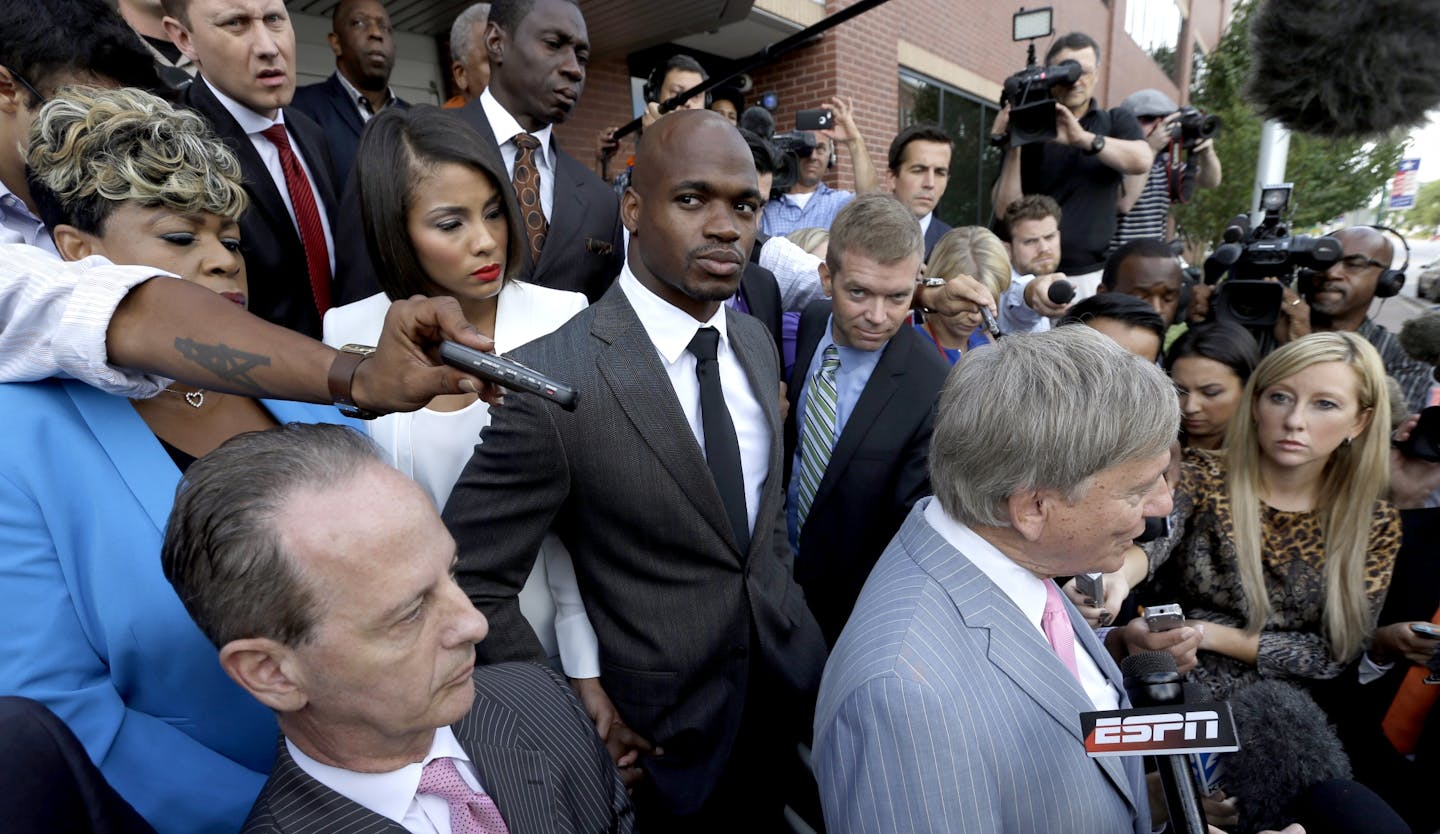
column 1346, row 442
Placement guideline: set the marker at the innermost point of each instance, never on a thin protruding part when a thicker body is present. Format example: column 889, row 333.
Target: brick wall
column 859, row 61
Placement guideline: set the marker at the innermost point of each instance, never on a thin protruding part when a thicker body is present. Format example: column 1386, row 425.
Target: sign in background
column 1405, row 185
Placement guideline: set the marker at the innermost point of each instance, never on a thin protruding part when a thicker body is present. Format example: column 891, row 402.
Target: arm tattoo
column 225, row 363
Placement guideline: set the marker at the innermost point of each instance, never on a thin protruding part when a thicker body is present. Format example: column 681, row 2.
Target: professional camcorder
column 1195, row 126
column 1032, row 105
column 1249, row 256
column 793, row 145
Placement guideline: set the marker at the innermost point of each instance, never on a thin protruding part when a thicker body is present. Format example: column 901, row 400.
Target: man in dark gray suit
column 665, row 485
column 282, row 546
column 538, row 51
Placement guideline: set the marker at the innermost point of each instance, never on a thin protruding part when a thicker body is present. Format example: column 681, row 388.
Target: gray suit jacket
column 533, row 747
column 944, row 710
column 677, row 607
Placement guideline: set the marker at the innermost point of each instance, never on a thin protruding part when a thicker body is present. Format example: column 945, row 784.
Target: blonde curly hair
column 92, row 149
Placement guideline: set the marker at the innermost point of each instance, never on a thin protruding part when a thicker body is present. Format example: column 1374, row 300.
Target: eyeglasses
column 1356, row 264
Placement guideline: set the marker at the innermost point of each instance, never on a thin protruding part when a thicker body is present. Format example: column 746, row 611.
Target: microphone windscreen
column 1060, row 292
column 1420, row 337
column 1148, row 663
column 1286, row 747
column 759, row 121
column 1342, row 806
column 1342, row 68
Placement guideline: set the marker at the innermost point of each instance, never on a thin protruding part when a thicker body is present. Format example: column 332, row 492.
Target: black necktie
column 722, row 450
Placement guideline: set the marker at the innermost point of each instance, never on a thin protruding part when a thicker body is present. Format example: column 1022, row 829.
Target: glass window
column 975, row 163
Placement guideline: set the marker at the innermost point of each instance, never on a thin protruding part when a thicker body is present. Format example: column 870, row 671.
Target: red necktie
column 527, row 188
column 307, row 217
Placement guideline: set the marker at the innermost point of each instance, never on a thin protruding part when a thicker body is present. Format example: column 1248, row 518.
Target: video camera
column 1195, row 126
column 793, row 146
column 1032, row 105
column 1249, row 256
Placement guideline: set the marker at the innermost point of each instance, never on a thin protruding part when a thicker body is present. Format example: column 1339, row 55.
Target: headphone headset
column 656, row 80
column 1391, row 281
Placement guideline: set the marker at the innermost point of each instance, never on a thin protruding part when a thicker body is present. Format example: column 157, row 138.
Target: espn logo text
column 1164, row 730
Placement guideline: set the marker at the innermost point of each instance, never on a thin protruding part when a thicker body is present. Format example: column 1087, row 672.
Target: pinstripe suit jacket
column 533, row 747
column 943, row 709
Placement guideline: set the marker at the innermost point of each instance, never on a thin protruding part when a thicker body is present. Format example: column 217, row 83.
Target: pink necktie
column 470, row 812
column 1058, row 630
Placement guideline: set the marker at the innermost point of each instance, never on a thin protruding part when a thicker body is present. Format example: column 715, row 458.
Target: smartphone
column 1092, row 585
column 1426, row 630
column 508, row 373
column 815, row 119
column 1164, row 617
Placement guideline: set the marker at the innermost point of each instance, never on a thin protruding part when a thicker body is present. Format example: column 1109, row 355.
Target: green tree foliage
column 1330, row 177
column 1425, row 216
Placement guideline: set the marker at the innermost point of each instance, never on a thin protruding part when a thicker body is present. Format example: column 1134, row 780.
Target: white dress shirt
column 392, row 795
column 358, row 99
column 505, row 127
column 1015, row 315
column 252, row 123
column 796, row 271
column 53, row 318
column 925, row 224
column 670, row 329
column 1026, row 590
column 18, row 225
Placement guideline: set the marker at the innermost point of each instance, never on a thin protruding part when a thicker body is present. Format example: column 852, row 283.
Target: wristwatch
column 342, row 377
column 1096, row 146
column 928, row 281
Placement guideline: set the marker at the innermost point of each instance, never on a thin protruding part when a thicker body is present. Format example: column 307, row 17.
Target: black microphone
column 1339, row 68
column 759, row 121
column 1420, row 337
column 1153, row 680
column 1225, row 256
column 1286, row 747
column 1060, row 292
column 1237, row 229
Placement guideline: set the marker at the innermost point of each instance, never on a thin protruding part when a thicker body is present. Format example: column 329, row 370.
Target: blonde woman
column 978, row 253
column 1282, row 545
column 89, row 626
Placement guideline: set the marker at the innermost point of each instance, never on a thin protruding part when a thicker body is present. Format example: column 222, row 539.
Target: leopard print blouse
column 1196, row 567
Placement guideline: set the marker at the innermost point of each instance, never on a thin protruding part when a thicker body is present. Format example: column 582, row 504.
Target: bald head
column 1356, row 238
column 692, row 210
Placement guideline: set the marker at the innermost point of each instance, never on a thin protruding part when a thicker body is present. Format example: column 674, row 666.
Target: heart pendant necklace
column 195, row 398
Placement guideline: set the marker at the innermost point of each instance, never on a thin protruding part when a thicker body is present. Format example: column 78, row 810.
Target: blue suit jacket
column 332, row 108
column 90, row 627
column 943, row 709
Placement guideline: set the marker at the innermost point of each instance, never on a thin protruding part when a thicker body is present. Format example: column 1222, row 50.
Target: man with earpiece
column 1339, row 299
column 810, row 202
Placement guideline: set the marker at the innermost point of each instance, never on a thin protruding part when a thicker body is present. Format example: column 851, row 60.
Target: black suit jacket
column 762, row 295
column 274, row 258
column 533, row 747
column 933, row 233
column 876, row 473
column 585, row 248
column 683, row 616
column 334, row 111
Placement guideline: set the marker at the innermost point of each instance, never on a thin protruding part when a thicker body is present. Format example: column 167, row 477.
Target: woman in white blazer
column 441, row 218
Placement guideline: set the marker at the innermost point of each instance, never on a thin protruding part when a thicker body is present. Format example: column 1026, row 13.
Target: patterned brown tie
column 527, row 188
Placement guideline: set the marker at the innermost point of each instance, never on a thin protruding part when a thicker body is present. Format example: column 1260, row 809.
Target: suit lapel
column 632, row 370
column 749, row 354
column 1015, row 646
column 299, row 803
column 340, row 100
column 261, row 188
column 567, row 212
column 883, row 383
column 515, row 777
column 131, row 446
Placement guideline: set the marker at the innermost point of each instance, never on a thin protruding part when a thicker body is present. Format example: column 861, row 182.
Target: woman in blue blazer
column 88, row 624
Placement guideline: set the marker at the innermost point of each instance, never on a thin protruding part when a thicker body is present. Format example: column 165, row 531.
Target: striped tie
column 817, row 434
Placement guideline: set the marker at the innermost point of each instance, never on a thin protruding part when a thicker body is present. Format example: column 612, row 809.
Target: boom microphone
column 1341, row 68
column 1420, row 337
column 1060, row 292
column 1286, row 747
column 759, row 121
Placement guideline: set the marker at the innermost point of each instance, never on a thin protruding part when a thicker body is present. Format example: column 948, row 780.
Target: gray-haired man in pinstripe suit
column 325, row 577
column 952, row 701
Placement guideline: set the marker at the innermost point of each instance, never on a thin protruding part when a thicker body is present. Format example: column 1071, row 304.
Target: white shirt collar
column 925, row 223
column 249, row 121
column 505, row 126
column 669, row 327
column 1023, row 588
column 387, row 794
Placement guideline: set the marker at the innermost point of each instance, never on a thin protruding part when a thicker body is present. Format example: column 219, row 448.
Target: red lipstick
column 486, row 273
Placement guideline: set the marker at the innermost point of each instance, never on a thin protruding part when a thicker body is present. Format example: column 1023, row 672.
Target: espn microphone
column 1153, row 680
column 1286, row 747
column 1340, row 68
column 1060, row 292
